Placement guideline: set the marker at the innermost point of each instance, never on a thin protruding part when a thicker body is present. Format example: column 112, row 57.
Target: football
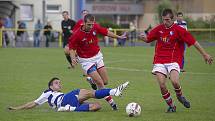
column 133, row 109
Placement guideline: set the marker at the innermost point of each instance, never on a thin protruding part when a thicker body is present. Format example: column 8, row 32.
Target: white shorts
column 87, row 63
column 165, row 68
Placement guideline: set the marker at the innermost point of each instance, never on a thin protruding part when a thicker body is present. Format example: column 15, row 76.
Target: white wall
column 55, row 18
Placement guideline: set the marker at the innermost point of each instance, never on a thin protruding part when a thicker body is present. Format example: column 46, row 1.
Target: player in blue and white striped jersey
column 180, row 21
column 72, row 101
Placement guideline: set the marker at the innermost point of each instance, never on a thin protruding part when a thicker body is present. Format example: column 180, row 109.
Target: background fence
column 10, row 38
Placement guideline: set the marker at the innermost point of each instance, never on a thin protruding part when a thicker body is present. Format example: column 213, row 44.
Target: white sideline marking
column 117, row 61
column 144, row 70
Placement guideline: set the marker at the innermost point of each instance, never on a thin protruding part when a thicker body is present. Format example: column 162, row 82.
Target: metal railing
column 11, row 38
column 203, row 35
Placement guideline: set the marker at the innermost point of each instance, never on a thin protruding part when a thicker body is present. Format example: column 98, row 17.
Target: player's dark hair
column 84, row 11
column 65, row 12
column 51, row 81
column 179, row 13
column 168, row 11
column 89, row 17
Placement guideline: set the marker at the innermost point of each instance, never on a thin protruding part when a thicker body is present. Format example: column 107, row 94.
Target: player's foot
column 92, row 83
column 114, row 106
column 171, row 109
column 84, row 75
column 184, row 101
column 182, row 70
column 120, row 88
column 71, row 67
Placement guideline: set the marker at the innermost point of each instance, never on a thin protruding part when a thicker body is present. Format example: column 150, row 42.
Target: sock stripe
column 108, row 98
column 167, row 95
column 178, row 91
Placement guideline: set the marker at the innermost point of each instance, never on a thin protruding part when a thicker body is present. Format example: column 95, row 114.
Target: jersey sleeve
column 73, row 23
column 42, row 99
column 101, row 30
column 186, row 37
column 78, row 25
column 152, row 35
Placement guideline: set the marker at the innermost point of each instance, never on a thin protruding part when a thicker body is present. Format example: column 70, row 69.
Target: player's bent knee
column 94, row 106
column 86, row 93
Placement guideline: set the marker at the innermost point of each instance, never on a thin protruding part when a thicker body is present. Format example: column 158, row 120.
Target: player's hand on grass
column 208, row 59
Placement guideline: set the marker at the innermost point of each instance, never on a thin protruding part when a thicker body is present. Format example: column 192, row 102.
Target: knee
column 87, row 93
column 95, row 106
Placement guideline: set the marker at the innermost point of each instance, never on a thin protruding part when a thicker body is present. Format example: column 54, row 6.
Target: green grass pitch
column 24, row 73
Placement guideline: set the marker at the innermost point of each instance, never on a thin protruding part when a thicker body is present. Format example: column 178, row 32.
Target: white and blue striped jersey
column 182, row 24
column 52, row 97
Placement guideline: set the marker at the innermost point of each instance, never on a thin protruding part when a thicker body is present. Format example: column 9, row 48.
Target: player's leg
column 103, row 73
column 160, row 72
column 92, row 83
column 92, row 106
column 74, row 101
column 161, row 78
column 92, row 72
column 85, row 94
column 174, row 77
column 68, row 58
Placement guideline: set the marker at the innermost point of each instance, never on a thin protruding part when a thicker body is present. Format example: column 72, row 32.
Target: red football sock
column 168, row 99
column 178, row 92
column 109, row 99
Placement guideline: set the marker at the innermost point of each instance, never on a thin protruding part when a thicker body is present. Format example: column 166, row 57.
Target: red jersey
column 170, row 43
column 86, row 43
column 78, row 25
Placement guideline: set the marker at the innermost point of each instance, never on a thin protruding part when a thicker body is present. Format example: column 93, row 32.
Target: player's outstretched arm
column 73, row 57
column 142, row 36
column 111, row 34
column 208, row 59
column 28, row 105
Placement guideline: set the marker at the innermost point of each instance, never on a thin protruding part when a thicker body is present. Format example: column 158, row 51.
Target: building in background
column 121, row 12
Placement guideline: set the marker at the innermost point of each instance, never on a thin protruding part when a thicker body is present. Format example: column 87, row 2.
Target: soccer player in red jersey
column 170, row 39
column 84, row 44
column 77, row 27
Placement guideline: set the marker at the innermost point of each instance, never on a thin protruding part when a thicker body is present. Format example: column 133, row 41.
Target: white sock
column 112, row 91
